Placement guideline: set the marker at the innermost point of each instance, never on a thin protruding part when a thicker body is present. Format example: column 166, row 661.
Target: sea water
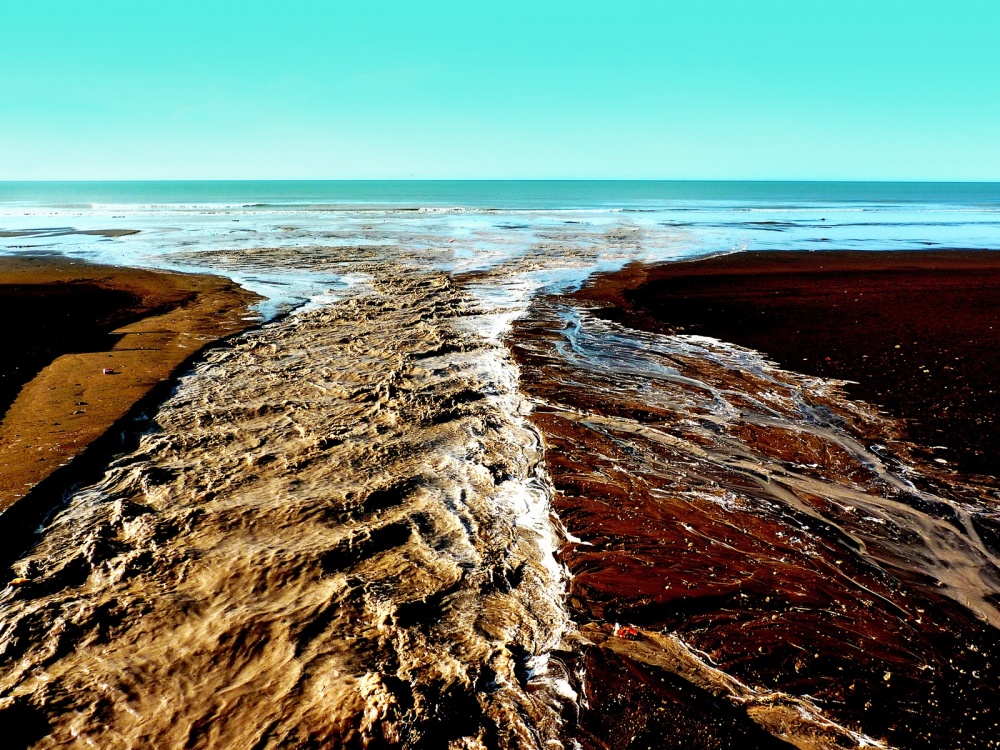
column 475, row 225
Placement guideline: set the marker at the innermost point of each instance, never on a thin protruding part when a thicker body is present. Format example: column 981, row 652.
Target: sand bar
column 89, row 343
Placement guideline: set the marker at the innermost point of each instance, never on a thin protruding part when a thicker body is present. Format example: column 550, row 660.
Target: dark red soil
column 776, row 597
column 918, row 331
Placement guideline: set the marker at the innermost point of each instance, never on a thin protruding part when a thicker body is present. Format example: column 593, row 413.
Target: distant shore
column 87, row 344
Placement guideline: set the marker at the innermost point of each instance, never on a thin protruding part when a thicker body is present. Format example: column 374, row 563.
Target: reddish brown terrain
column 759, row 536
column 917, row 332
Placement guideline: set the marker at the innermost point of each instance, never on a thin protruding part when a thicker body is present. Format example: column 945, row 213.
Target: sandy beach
column 391, row 520
column 87, row 344
column 515, row 376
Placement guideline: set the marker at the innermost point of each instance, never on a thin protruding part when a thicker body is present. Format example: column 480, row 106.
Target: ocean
column 477, row 224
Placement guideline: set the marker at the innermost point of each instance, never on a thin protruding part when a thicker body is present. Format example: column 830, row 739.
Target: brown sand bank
column 788, row 571
column 918, row 331
column 67, row 322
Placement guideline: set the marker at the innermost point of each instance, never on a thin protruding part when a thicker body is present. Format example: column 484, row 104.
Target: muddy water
column 751, row 550
column 380, row 523
column 336, row 536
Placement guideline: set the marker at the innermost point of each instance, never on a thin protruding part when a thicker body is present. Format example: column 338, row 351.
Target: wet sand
column 757, row 557
column 335, row 535
column 917, row 332
column 71, row 321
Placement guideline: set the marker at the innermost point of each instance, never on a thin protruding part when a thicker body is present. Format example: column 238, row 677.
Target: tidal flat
column 524, row 479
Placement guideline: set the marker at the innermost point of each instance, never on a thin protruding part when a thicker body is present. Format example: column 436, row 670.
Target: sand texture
column 71, row 402
column 915, row 333
column 451, row 510
column 336, row 536
column 802, row 557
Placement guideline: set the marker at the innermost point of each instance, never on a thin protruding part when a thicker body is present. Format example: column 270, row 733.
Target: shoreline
column 81, row 319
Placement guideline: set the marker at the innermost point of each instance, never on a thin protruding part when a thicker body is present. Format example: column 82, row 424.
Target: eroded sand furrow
column 337, row 535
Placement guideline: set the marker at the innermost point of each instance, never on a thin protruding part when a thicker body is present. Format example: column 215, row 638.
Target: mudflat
column 916, row 333
column 759, row 557
column 84, row 344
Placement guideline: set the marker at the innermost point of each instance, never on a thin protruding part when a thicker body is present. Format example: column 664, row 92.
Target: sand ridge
column 72, row 402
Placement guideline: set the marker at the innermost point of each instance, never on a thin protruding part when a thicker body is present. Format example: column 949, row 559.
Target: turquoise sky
column 712, row 90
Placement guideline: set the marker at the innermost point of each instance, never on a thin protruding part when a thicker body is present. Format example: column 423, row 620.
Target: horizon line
column 512, row 179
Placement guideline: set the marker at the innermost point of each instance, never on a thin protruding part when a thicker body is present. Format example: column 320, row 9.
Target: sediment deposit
column 448, row 509
column 336, row 534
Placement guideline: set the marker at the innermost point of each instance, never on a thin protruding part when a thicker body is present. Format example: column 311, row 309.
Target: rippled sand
column 336, row 535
